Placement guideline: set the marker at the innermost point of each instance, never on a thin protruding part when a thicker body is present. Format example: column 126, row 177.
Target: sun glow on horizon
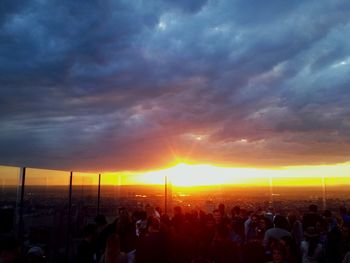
column 193, row 175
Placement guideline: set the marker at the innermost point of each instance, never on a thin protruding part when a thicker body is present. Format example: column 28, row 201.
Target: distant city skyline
column 185, row 175
column 142, row 86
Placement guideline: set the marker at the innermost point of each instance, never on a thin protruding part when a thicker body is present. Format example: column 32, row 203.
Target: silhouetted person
column 35, row 255
column 278, row 253
column 237, row 222
column 311, row 218
column 277, row 232
column 253, row 252
column 178, row 218
column 141, row 224
column 112, row 253
column 222, row 211
column 217, row 216
column 223, row 249
column 251, row 226
column 270, row 213
column 344, row 214
column 10, row 250
column 86, row 252
column 263, row 225
column 292, row 250
column 126, row 230
column 152, row 247
column 296, row 228
column 102, row 233
column 311, row 248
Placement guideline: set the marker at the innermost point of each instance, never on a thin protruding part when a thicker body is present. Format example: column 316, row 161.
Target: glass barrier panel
column 45, row 214
column 227, row 189
column 129, row 191
column 336, row 190
column 84, row 200
column 110, row 195
column 302, row 191
column 9, row 195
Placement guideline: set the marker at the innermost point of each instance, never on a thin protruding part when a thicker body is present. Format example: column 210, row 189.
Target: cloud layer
column 139, row 84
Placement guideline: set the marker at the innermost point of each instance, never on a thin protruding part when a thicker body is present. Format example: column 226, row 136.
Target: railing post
column 98, row 194
column 21, row 204
column 69, row 218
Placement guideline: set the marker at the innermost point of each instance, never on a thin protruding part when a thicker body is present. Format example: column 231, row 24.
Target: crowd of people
column 222, row 236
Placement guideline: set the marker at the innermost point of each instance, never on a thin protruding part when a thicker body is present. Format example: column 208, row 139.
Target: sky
column 138, row 85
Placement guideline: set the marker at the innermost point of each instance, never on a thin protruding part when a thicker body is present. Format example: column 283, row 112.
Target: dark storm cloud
column 104, row 85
